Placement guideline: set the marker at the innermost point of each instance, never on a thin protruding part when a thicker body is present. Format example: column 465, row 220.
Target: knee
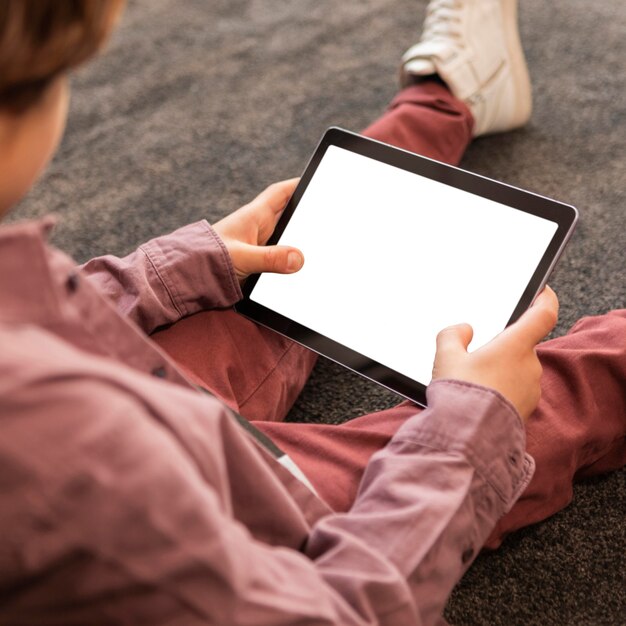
column 608, row 322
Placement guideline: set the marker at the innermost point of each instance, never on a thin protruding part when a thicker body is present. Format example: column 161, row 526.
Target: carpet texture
column 198, row 105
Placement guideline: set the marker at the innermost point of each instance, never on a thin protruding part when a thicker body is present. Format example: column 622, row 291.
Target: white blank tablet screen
column 391, row 258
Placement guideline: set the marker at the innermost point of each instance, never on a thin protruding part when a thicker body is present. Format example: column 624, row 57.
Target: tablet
column 398, row 246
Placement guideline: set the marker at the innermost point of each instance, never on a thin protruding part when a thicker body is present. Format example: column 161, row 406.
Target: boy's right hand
column 508, row 363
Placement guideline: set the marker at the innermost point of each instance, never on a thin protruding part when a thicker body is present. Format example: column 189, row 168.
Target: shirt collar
column 28, row 289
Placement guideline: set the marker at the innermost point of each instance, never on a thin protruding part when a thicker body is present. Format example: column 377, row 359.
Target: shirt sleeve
column 169, row 277
column 130, row 530
column 429, row 500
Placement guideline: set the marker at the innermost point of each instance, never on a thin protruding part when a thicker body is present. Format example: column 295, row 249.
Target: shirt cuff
column 481, row 424
column 195, row 267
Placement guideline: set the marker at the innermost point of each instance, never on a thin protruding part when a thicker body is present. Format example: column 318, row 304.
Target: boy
column 130, row 497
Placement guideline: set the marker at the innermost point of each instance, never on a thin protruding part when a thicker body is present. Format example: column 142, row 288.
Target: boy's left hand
column 246, row 231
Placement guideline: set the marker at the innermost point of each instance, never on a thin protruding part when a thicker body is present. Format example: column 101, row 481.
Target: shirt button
column 71, row 284
column 467, row 555
column 159, row 372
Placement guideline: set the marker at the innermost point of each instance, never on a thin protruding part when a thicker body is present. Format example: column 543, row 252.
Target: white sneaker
column 474, row 47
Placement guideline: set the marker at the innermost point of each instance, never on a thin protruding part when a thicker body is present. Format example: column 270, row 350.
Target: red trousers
column 578, row 429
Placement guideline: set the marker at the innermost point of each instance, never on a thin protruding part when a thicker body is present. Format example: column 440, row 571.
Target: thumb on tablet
column 277, row 259
column 452, row 343
column 454, row 340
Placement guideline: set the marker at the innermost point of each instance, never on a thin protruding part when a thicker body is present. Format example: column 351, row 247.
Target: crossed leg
column 578, row 429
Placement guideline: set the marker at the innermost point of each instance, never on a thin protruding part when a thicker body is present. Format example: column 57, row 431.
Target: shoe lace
column 443, row 20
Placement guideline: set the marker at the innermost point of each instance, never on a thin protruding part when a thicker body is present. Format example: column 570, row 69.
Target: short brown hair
column 42, row 39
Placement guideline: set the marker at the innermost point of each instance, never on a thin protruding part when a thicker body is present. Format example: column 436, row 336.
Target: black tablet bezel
column 564, row 215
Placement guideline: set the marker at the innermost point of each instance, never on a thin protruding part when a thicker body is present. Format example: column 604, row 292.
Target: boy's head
column 40, row 41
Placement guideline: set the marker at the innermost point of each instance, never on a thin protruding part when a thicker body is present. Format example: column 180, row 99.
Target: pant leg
column 426, row 119
column 253, row 370
column 257, row 372
column 579, row 427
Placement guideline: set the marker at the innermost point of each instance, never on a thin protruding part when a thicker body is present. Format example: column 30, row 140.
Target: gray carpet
column 198, row 105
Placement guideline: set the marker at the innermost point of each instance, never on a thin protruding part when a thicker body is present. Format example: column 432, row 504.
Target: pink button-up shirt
column 126, row 496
